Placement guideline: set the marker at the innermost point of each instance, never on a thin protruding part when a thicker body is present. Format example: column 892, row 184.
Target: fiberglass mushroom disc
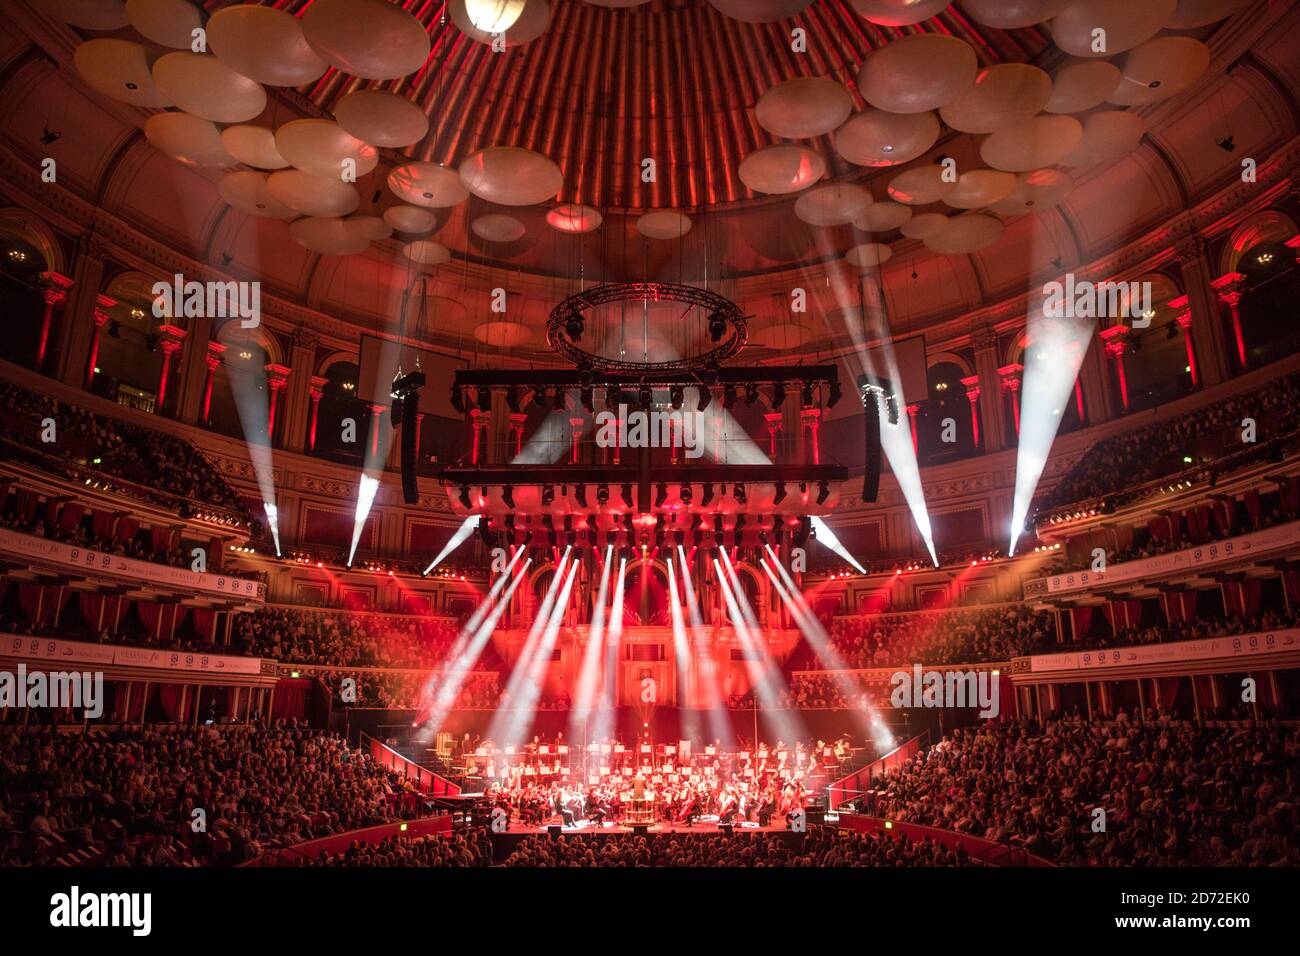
column 1160, row 68
column 427, row 184
column 917, row 187
column 1124, row 24
column 118, row 68
column 189, row 139
column 759, row 11
column 201, row 84
column 1081, row 85
column 832, row 205
column 372, row 39
column 664, row 224
column 1032, row 143
column 249, row 193
column 322, row 147
column 803, row 108
column 979, row 188
column 313, row 195
column 1012, row 14
column 899, row 13
column 381, row 118
column 877, row 138
column 511, row 176
column 780, row 169
column 917, row 73
column 265, row 44
column 999, row 96
column 253, row 146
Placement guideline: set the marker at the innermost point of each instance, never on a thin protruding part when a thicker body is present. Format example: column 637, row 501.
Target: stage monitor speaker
column 871, row 476
column 410, row 440
column 553, row 830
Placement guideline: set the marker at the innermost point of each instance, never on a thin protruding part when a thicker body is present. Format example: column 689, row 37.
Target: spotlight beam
column 463, row 534
column 589, row 676
column 827, row 537
column 682, row 653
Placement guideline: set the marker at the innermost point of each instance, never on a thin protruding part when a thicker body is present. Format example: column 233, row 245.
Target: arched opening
column 129, row 361
column 1157, row 367
column 240, row 380
column 1267, row 307
column 22, row 296
column 343, row 419
column 944, row 431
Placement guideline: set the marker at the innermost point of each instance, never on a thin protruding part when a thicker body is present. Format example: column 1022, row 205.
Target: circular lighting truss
column 726, row 325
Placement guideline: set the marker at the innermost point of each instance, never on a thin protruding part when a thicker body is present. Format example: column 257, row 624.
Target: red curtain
column 1123, row 537
column 101, row 524
column 38, row 602
column 71, row 515
column 1251, row 499
column 1164, row 528
column 1178, row 606
column 1289, row 492
column 1242, row 597
column 26, row 504
column 1198, row 523
column 291, row 698
column 1225, row 516
column 1291, row 585
column 204, row 619
column 176, row 703
column 1122, row 614
column 162, row 538
column 151, row 614
column 215, row 555
column 127, row 529
column 1080, row 622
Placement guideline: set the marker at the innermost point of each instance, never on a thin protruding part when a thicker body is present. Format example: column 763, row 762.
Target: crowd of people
column 818, row 847
column 940, row 637
column 1139, row 455
column 409, row 689
column 345, row 638
column 151, row 797
column 161, row 467
column 1162, row 792
column 462, row 849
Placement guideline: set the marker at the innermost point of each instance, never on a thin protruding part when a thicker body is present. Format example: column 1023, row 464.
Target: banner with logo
column 106, row 655
column 1163, row 565
column 57, row 554
column 1210, row 648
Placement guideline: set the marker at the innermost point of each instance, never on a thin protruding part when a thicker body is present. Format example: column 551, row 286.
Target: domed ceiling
column 676, row 139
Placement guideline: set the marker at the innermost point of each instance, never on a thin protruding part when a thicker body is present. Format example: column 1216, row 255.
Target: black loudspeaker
column 871, row 476
column 410, row 404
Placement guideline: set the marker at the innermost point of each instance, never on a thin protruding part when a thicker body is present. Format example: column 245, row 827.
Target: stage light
column 539, row 396
column 548, row 495
column 458, row 399
column 806, row 395
column 484, row 400
column 611, row 397
column 602, row 494
column 728, row 396
column 834, row 395
column 463, row 534
column 559, row 399
column 580, row 495
column 626, row 492
column 676, row 395
column 738, row 493
column 827, row 537
column 509, row 522
column 464, row 498
column 645, row 396
column 717, row 327
column 706, row 397
column 708, row 495
column 508, row 496
column 548, row 521
column 512, row 398
column 573, row 327
column 685, row 493
column 751, row 393
column 778, row 395
column 588, row 400
column 780, row 493
column 661, row 495
column 823, row 492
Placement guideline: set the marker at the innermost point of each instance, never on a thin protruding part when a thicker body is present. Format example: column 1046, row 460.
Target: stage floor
column 708, row 824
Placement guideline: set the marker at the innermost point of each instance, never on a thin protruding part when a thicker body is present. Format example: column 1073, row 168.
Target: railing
column 425, row 780
column 854, row 784
column 977, row 848
column 309, row 852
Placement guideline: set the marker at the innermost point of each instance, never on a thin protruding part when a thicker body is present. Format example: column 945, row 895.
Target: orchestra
column 609, row 784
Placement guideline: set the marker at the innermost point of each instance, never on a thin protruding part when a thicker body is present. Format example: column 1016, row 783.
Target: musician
column 561, row 805
column 730, row 806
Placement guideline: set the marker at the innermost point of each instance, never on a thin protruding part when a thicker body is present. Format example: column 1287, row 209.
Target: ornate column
column 317, row 392
column 1184, row 320
column 1009, row 380
column 192, row 391
column 99, row 319
column 972, row 385
column 56, row 295
column 170, row 341
column 774, row 420
column 1116, row 344
column 811, row 422
column 985, row 343
column 517, row 422
column 481, row 423
column 376, row 426
column 277, row 377
column 297, row 399
column 1228, row 288
column 912, row 412
column 211, row 362
column 1214, row 365
column 72, row 346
